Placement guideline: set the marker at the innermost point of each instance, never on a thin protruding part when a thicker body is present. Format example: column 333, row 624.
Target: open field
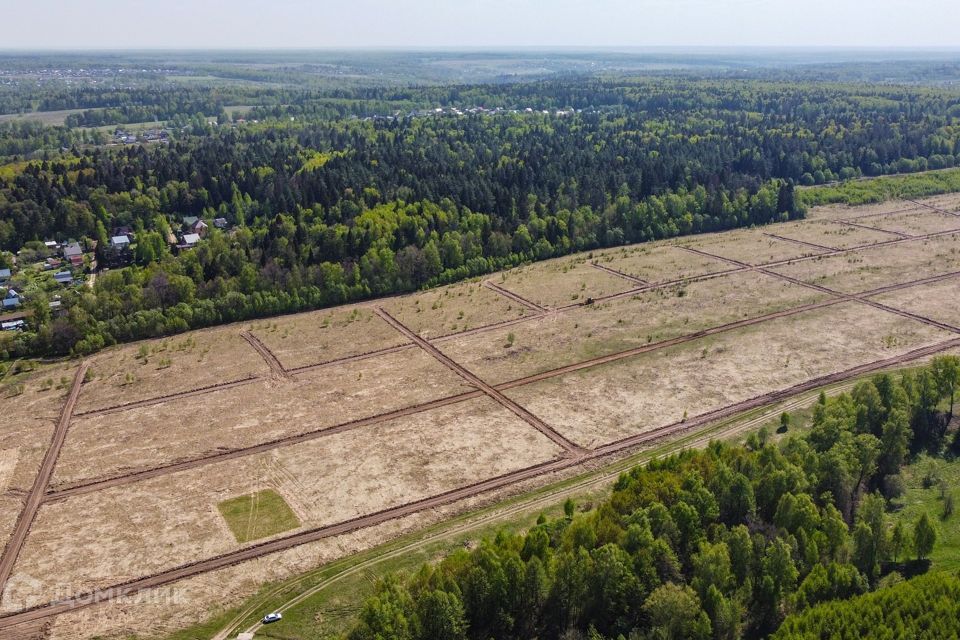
column 561, row 282
column 616, row 325
column 753, row 246
column 372, row 419
column 145, row 370
column 845, row 212
column 325, row 481
column 658, row 262
column 265, row 410
column 323, row 336
column 51, row 118
column 878, row 266
column 913, row 223
column 455, row 308
column 832, row 234
column 611, row 402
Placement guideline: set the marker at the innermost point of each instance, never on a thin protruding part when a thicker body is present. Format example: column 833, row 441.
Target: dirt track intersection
column 376, row 412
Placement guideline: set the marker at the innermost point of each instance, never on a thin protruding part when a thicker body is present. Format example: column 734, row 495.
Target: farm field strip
column 515, row 297
column 625, row 276
column 96, row 484
column 937, row 209
column 255, row 551
column 847, row 223
column 845, row 296
column 35, row 496
column 804, row 243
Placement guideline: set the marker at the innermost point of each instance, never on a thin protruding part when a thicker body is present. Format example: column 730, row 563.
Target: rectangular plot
column 322, row 336
column 945, row 201
column 154, row 368
column 750, row 246
column 163, row 522
column 558, row 283
column 636, row 395
column 617, row 325
column 659, row 262
column 914, row 223
column 448, row 310
column 939, row 301
column 830, row 234
column 872, row 268
column 266, row 410
column 843, row 211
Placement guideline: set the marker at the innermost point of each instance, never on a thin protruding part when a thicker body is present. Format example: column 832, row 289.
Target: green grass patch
column 922, row 484
column 258, row 515
column 857, row 192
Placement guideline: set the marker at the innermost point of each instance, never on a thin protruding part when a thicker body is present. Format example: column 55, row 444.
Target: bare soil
column 607, row 403
column 658, row 262
column 830, row 234
column 752, row 246
column 914, row 223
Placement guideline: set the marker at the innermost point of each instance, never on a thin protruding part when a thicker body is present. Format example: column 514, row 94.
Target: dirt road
column 35, row 497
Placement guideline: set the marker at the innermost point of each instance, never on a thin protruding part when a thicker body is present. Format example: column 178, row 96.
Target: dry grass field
column 879, row 266
column 658, row 262
column 372, row 419
column 561, row 282
column 323, row 336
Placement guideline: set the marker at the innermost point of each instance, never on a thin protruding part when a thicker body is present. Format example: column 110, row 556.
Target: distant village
column 51, row 266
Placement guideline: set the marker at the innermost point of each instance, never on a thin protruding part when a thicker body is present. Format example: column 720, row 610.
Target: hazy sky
column 98, row 24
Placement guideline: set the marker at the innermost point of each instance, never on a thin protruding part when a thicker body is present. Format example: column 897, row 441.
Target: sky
column 317, row 24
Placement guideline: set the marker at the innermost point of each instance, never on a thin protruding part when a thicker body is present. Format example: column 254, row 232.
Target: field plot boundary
column 175, row 574
column 620, row 274
column 937, row 209
column 803, row 243
column 514, row 296
column 857, row 225
column 35, row 497
column 276, row 367
column 518, row 410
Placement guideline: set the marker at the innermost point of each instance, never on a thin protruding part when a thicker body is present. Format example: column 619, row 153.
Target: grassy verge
column 922, row 493
column 857, row 192
column 258, row 515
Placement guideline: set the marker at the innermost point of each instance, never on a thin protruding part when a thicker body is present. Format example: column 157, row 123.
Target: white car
column 272, row 617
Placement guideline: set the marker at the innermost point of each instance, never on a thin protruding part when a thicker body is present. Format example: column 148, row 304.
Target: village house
column 13, row 325
column 63, row 277
column 190, row 240
column 120, row 242
column 5, row 275
column 12, row 300
column 221, row 223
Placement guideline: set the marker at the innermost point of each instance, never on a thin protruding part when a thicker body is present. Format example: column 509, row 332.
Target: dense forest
column 324, row 207
column 722, row 543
